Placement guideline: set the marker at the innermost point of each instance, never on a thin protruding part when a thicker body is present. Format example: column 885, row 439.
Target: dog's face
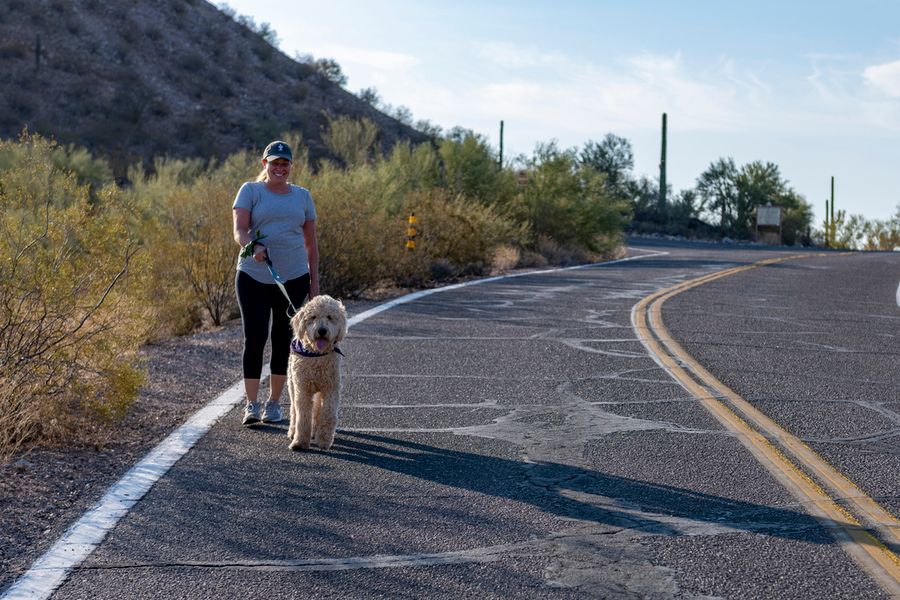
column 320, row 324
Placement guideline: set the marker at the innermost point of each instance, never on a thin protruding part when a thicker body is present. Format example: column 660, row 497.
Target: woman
column 275, row 225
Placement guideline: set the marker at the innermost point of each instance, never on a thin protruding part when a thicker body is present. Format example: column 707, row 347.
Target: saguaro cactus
column 500, row 162
column 662, row 169
column 833, row 225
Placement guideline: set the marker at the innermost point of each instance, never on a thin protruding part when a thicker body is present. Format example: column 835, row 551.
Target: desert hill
column 134, row 79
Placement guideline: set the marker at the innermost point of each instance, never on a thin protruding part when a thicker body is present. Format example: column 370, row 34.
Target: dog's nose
column 322, row 332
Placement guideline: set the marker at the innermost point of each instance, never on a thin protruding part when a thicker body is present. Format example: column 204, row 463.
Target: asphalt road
column 514, row 439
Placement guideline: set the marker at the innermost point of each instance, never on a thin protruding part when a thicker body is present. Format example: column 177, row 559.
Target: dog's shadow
column 569, row 491
column 280, row 428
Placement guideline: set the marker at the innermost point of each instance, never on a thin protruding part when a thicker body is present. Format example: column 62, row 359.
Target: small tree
column 569, row 203
column 199, row 233
column 352, row 141
column 327, row 67
column 735, row 194
column 718, row 191
column 470, row 168
column 613, row 157
column 370, row 96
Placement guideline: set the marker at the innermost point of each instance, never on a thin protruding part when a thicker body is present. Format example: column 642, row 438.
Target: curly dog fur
column 314, row 382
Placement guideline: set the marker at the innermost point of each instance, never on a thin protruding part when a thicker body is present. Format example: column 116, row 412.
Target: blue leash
column 280, row 283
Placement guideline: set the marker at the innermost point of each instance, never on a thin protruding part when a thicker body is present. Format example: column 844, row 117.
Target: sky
column 812, row 86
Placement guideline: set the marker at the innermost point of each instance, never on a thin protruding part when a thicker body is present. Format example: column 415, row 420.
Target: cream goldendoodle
column 314, row 372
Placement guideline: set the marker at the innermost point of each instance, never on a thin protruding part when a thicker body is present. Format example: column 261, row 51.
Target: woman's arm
column 312, row 252
column 242, row 233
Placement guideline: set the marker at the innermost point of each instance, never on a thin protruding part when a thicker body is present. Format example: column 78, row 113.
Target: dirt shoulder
column 44, row 491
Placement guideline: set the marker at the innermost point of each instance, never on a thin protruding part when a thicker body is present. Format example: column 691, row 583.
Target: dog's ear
column 297, row 325
column 343, row 330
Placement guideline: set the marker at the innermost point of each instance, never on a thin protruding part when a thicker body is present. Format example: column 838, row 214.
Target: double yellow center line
column 864, row 529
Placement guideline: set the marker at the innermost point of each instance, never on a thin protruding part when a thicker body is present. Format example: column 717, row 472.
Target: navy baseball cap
column 278, row 149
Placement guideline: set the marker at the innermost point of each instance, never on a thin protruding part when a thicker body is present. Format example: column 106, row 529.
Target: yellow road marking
column 867, row 550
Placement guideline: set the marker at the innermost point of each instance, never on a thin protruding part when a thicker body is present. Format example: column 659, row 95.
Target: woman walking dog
column 275, row 225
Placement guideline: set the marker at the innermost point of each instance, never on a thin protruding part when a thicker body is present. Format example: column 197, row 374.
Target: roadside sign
column 768, row 216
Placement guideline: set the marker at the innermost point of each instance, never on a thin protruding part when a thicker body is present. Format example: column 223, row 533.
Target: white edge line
column 82, row 538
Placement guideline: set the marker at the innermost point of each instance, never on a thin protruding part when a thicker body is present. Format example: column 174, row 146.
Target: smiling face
column 277, row 171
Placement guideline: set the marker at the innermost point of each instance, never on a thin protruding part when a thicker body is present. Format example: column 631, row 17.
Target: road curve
column 516, row 439
column 869, row 533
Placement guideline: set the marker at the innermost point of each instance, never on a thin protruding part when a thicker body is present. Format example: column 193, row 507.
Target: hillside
column 133, row 79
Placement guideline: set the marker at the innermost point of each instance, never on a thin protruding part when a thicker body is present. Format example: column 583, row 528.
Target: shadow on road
column 578, row 493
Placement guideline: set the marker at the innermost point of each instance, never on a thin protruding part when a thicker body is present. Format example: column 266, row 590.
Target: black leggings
column 257, row 302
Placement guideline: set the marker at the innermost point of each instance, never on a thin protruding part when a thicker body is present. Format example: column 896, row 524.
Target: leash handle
column 247, row 249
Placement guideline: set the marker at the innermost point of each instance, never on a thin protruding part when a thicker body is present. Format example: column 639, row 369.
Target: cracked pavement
column 514, row 439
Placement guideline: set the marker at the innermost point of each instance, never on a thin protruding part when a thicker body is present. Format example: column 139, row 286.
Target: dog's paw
column 323, row 444
column 298, row 446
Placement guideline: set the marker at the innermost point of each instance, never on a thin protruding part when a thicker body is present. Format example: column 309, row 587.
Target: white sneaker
column 251, row 413
column 272, row 412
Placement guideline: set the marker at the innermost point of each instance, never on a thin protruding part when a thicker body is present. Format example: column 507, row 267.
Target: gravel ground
column 44, row 491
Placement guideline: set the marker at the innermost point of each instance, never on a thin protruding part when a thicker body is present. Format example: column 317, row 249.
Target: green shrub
column 70, row 312
column 462, row 232
column 89, row 171
column 359, row 244
column 353, row 142
column 183, row 213
column 197, row 222
column 472, row 169
column 569, row 203
column 406, row 169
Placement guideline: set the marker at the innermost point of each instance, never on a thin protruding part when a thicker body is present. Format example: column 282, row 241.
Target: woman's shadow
column 578, row 493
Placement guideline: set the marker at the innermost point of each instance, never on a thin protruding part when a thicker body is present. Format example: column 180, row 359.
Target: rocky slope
column 133, row 79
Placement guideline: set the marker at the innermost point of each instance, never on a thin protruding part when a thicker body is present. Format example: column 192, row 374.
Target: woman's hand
column 259, row 253
column 313, row 289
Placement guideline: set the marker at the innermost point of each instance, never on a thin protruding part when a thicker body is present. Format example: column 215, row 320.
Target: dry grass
column 505, row 258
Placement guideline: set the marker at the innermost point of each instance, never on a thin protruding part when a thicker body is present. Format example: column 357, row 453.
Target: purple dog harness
column 297, row 346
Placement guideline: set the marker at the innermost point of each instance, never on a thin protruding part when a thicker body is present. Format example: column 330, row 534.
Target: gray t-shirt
column 280, row 217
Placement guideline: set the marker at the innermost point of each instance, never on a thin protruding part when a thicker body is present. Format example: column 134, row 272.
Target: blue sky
column 811, row 86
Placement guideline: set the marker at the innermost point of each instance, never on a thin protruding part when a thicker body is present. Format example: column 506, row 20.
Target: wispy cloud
column 884, row 78
column 513, row 56
column 554, row 94
column 846, row 98
column 628, row 94
column 560, row 93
